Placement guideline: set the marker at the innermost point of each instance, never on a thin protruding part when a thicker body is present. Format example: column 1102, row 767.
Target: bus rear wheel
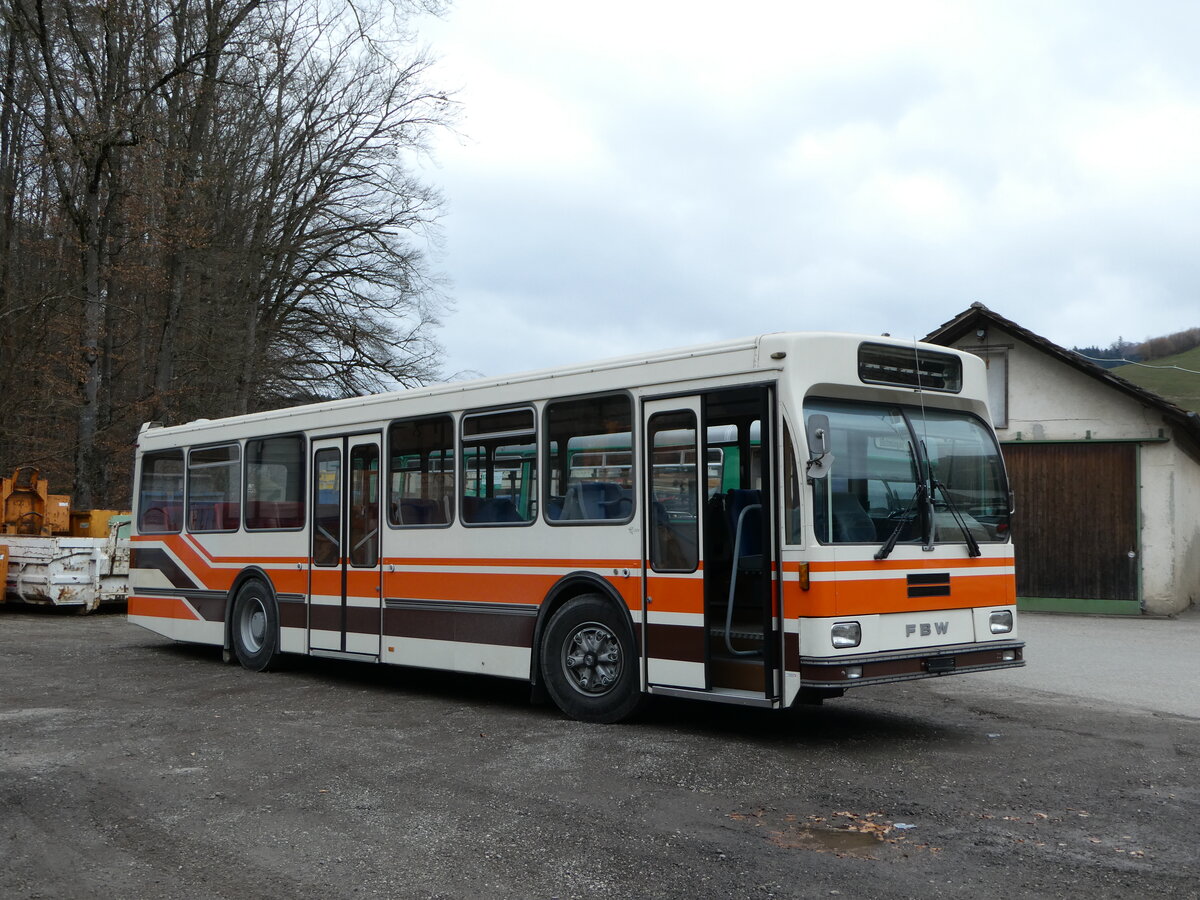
column 589, row 661
column 255, row 626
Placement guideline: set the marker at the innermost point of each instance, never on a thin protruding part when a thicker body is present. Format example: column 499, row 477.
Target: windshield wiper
column 904, row 518
column 972, row 544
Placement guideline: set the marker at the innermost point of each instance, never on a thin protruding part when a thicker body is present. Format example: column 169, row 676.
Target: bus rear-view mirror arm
column 820, row 459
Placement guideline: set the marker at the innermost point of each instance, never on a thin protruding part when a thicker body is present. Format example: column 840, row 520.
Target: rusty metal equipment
column 28, row 507
column 61, row 570
column 53, row 556
column 92, row 522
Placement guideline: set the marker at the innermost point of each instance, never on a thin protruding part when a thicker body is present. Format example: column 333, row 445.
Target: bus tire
column 589, row 661
column 255, row 626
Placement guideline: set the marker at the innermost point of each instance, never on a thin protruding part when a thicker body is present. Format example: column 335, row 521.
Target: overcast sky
column 632, row 176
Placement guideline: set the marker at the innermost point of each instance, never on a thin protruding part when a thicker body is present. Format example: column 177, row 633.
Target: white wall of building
column 1170, row 510
column 1046, row 400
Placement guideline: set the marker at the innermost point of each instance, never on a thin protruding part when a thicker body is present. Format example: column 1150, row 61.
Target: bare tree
column 207, row 203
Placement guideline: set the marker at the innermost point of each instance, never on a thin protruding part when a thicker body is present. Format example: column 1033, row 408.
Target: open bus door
column 345, row 612
column 712, row 622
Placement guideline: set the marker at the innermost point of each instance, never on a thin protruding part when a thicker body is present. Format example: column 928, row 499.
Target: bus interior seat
column 750, row 551
column 672, row 547
column 851, row 524
column 218, row 516
column 722, row 514
column 229, row 515
column 163, row 518
column 488, row 510
column 274, row 514
column 596, row 500
column 418, row 511
column 201, row 517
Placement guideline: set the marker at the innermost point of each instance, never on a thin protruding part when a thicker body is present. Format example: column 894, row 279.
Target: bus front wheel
column 589, row 661
column 255, row 626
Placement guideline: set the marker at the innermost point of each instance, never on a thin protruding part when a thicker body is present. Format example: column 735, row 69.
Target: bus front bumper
column 907, row 665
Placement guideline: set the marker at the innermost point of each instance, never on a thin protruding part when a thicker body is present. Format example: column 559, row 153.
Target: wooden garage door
column 1075, row 522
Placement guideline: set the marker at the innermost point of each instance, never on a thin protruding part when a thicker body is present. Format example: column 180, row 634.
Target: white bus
column 763, row 522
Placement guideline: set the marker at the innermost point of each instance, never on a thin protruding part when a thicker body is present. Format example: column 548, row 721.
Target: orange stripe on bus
column 682, row 595
column 426, row 578
column 864, row 598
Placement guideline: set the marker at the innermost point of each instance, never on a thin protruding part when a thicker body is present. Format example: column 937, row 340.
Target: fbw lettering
column 925, row 629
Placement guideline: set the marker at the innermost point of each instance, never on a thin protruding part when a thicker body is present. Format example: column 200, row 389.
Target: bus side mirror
column 818, row 435
column 820, row 459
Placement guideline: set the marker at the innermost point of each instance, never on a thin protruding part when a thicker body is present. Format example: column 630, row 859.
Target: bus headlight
column 846, row 634
column 1001, row 621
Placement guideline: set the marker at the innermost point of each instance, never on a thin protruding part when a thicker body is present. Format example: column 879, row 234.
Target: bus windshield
column 888, row 461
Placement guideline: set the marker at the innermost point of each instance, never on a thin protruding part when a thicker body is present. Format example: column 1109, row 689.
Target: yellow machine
column 29, row 507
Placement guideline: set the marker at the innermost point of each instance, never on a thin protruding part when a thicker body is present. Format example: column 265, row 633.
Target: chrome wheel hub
column 591, row 659
column 254, row 625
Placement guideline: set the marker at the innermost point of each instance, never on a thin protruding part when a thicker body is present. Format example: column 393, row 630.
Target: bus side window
column 674, row 492
column 214, row 490
column 499, row 453
column 160, row 495
column 589, row 462
column 327, row 508
column 792, row 502
column 421, row 472
column 275, row 483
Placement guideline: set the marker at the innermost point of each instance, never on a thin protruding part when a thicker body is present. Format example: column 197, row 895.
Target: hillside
column 1181, row 388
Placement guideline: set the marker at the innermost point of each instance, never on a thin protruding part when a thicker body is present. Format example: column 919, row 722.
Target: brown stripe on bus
column 154, row 558
column 791, row 651
column 460, row 625
column 325, row 618
column 684, row 643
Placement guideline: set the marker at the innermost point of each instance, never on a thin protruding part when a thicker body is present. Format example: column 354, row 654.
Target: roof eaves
column 970, row 319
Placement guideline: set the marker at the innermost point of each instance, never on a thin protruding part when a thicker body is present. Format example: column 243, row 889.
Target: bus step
column 738, row 633
column 743, row 673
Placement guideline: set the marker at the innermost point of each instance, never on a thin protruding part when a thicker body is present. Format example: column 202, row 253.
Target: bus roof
column 746, row 355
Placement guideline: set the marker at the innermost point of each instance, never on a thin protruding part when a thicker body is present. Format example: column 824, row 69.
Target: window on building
column 997, row 383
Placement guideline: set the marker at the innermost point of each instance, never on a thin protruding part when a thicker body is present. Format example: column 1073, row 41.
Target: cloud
column 638, row 176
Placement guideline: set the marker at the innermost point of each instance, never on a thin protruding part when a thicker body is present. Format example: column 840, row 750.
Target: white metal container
column 70, row 571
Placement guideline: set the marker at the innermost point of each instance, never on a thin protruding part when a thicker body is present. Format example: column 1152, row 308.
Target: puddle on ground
column 863, row 836
column 823, row 839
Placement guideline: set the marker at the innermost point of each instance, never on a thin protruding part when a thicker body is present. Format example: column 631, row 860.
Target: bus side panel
column 167, row 598
column 478, row 613
column 179, row 584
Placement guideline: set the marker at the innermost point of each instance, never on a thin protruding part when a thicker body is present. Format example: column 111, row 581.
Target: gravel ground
column 133, row 767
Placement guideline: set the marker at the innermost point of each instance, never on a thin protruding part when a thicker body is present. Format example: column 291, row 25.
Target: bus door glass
column 345, row 572
column 744, row 623
column 673, row 607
